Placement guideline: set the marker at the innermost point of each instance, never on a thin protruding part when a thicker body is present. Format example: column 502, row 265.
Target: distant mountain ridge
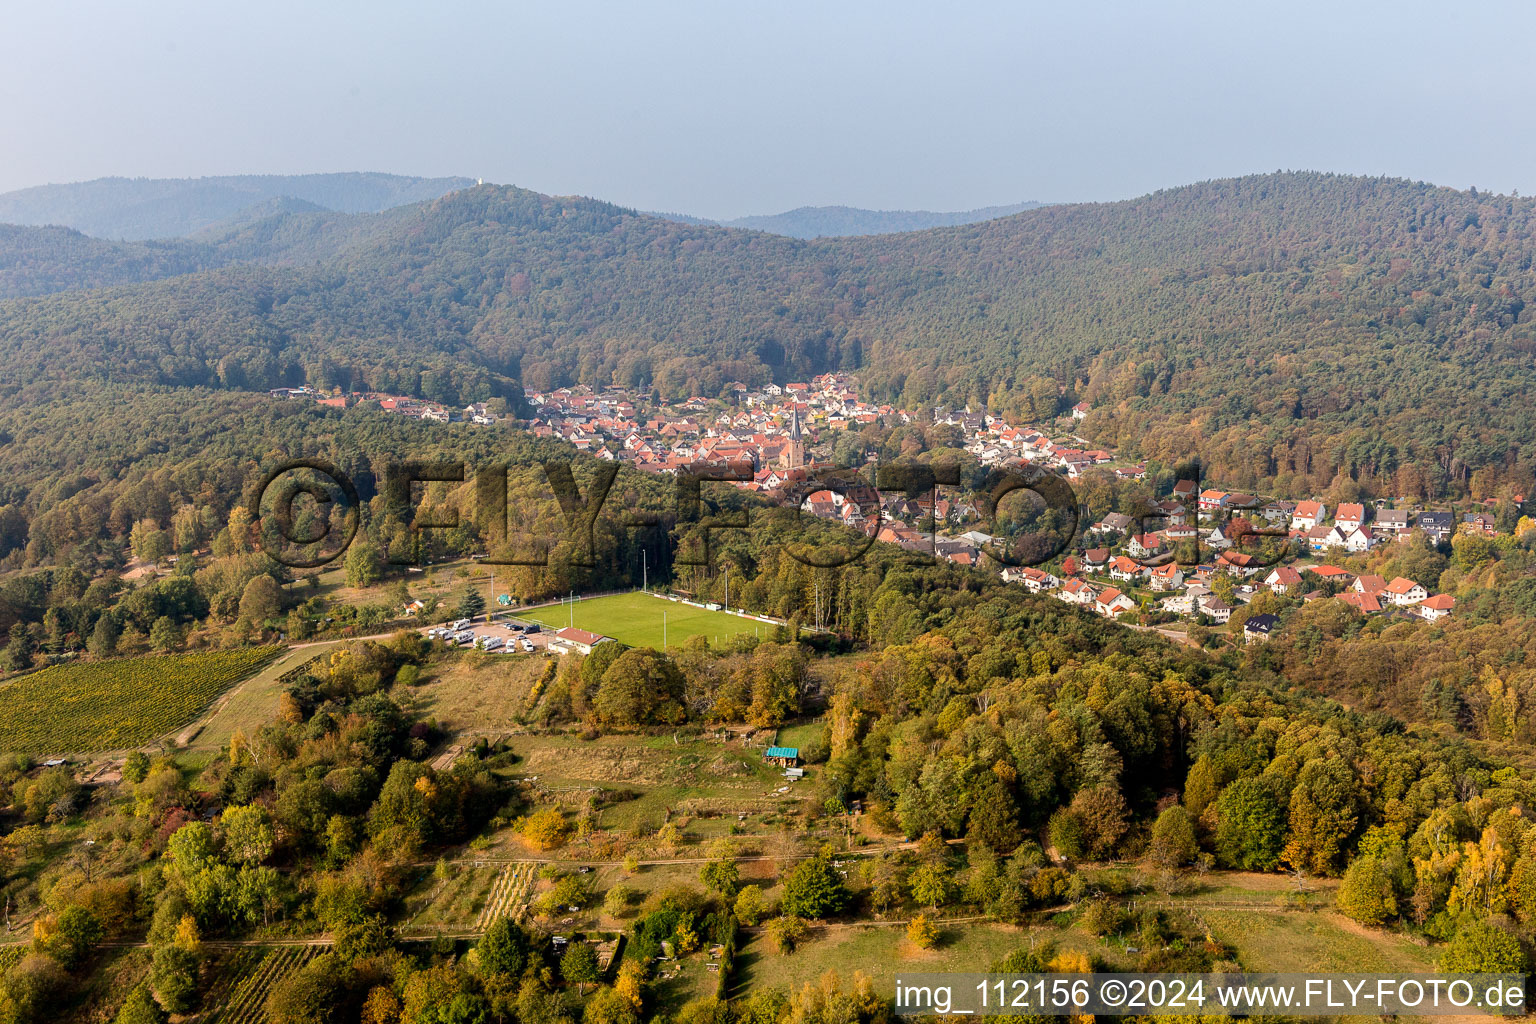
column 276, row 232
column 850, row 221
column 139, row 209
column 1297, row 330
column 843, row 221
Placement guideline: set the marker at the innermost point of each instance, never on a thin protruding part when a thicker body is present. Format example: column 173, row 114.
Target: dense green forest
column 40, row 260
column 43, row 260
column 1290, row 327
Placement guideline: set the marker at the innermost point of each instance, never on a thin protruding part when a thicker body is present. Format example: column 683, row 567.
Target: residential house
column 1239, row 564
column 1350, row 515
column 1216, row 609
column 1282, row 578
column 1211, row 500
column 1166, row 577
column 1360, row 541
column 1077, row 592
column 1438, row 607
column 1144, row 545
column 1127, row 569
column 1404, row 592
column 1480, row 523
column 1096, row 558
column 1036, row 581
column 1308, row 514
column 1363, row 603
column 1223, row 536
column 1437, row 526
column 1174, row 511
column 1111, row 603
column 1354, row 539
column 1115, row 522
column 1080, row 410
column 1392, row 521
column 1318, row 538
column 1278, row 511
column 1259, row 627
column 1368, row 585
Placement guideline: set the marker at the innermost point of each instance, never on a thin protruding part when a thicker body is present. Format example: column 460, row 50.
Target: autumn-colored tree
column 545, row 828
column 785, row 933
column 750, row 905
column 1482, row 882
column 922, row 932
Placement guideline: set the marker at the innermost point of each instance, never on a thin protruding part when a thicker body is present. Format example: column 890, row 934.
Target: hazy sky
column 730, row 107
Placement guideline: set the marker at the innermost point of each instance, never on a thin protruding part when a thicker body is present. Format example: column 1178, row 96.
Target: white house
column 1111, row 603
column 1218, row 610
column 1211, row 500
column 1350, row 515
column 1393, row 521
column 1077, row 592
column 1125, row 569
column 1217, row 539
column 1438, row 607
column 1354, row 539
column 1038, row 579
column 1115, row 522
column 1360, row 540
column 1308, row 514
column 1282, row 578
column 1404, row 592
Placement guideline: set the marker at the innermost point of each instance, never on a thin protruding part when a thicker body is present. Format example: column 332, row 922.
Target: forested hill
column 1283, row 326
column 44, row 260
column 142, row 208
column 37, row 261
column 832, row 221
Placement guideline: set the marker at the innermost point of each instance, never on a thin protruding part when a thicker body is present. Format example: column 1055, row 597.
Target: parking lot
column 500, row 636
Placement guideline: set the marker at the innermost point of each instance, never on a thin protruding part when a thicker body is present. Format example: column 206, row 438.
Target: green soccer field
column 636, row 619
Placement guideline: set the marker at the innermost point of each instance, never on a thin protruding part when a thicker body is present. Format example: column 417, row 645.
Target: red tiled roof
column 1362, row 602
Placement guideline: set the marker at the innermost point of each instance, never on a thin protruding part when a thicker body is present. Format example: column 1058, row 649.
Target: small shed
column 784, row 757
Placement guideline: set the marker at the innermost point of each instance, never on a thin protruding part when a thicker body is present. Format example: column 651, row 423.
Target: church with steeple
column 792, row 455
